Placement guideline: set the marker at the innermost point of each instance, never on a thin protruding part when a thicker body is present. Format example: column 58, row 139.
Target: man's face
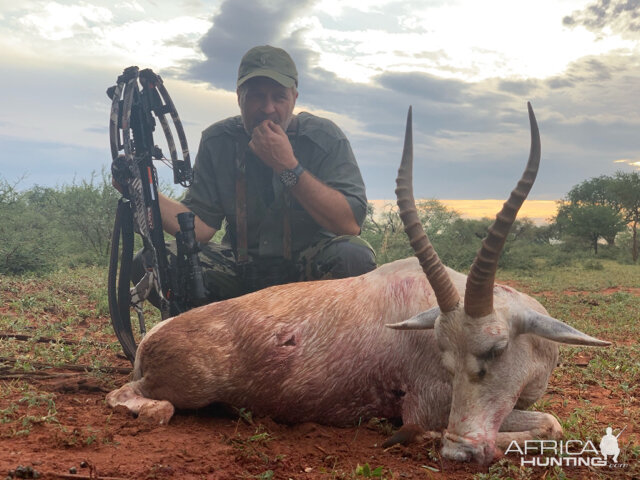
column 261, row 98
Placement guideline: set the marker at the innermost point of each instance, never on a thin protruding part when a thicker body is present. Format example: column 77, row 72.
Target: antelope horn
column 478, row 297
column 437, row 275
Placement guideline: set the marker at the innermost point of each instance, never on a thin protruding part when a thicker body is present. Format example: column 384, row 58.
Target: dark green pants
column 337, row 257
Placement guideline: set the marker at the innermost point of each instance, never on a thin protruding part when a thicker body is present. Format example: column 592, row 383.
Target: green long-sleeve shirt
column 320, row 147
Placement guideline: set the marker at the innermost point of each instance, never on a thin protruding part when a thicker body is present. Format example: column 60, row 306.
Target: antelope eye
column 492, row 353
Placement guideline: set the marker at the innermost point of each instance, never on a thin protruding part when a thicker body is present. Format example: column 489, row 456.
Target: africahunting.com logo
column 569, row 453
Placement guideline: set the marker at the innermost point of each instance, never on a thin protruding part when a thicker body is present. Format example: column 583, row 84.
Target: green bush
column 592, row 264
column 26, row 244
column 521, row 256
column 43, row 228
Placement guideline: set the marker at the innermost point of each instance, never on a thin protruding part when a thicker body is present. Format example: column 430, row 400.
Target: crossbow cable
column 131, row 126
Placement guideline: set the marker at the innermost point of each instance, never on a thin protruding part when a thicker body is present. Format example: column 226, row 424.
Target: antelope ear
column 552, row 329
column 422, row 321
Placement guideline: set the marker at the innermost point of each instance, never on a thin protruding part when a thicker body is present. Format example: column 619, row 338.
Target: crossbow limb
column 137, row 97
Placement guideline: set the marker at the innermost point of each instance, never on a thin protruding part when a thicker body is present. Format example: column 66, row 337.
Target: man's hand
column 170, row 208
column 271, row 144
column 328, row 207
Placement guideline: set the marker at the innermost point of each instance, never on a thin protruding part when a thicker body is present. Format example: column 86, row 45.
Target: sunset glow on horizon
column 538, row 211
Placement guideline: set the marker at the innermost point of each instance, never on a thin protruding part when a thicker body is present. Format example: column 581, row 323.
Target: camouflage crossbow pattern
column 137, row 97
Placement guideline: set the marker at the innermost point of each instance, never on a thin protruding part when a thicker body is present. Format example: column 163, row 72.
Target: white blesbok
column 323, row 351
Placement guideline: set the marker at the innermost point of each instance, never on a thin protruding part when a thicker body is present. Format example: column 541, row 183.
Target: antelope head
column 496, row 354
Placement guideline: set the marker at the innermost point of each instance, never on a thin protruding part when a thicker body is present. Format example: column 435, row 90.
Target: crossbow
column 138, row 97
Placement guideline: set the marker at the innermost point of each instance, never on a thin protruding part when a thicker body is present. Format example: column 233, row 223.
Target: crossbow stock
column 137, row 97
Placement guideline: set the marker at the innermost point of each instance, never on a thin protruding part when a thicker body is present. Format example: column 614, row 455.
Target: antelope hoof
column 156, row 411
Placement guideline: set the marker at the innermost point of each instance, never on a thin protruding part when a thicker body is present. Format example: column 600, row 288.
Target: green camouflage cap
column 268, row 61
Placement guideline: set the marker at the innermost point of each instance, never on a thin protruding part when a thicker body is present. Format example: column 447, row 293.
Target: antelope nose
column 461, row 450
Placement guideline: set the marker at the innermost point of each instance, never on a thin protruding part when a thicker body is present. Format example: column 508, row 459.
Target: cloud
column 621, row 16
column 522, row 88
column 240, row 25
column 430, row 87
column 471, row 137
column 56, row 21
column 470, row 131
column 100, row 33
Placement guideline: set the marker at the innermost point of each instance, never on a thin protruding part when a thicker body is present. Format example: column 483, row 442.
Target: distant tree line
column 606, row 208
column 455, row 239
column 44, row 228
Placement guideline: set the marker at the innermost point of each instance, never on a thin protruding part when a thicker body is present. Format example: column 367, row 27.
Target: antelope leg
column 521, row 425
column 156, row 411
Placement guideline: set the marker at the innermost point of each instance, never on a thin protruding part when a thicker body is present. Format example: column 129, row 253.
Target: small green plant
column 245, row 415
column 542, row 405
column 366, row 471
column 268, row 475
column 261, row 437
column 8, row 414
column 252, row 446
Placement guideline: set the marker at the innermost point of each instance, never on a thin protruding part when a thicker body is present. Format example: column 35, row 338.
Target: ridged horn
column 478, row 297
column 446, row 293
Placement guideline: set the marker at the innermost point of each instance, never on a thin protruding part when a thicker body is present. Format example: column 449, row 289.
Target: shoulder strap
column 241, row 204
column 287, row 241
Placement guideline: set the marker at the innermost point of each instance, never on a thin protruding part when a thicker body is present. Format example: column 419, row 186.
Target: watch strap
column 298, row 170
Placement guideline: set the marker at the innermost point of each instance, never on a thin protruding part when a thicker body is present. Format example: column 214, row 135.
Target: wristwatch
column 289, row 178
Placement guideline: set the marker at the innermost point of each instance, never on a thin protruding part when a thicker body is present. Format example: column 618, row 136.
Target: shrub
column 46, row 227
column 26, row 244
column 592, row 264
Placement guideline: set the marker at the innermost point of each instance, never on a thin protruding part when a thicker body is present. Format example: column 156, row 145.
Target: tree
column 596, row 191
column 621, row 193
column 385, row 231
column 626, row 188
column 589, row 222
column 435, row 217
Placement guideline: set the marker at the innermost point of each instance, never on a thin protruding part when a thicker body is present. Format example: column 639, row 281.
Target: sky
column 468, row 69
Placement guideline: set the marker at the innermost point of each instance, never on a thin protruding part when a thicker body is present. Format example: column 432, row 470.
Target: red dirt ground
column 100, row 443
column 213, row 444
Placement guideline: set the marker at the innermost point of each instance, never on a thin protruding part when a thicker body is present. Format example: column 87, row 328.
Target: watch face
column 288, row 178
